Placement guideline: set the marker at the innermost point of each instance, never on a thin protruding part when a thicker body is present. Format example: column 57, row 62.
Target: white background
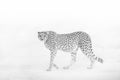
column 24, row 57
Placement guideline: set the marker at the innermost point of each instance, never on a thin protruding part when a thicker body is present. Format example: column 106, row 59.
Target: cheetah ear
column 42, row 32
column 45, row 32
column 38, row 32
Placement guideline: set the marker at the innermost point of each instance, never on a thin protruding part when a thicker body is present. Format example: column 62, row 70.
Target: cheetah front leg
column 73, row 60
column 52, row 56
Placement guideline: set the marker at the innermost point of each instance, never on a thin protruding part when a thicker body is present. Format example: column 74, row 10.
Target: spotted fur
column 68, row 43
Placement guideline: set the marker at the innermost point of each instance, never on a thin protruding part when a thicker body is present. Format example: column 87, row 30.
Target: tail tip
column 100, row 60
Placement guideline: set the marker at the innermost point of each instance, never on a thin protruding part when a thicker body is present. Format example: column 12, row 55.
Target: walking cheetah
column 68, row 43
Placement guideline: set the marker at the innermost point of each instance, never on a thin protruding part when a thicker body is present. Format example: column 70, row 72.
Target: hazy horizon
column 24, row 57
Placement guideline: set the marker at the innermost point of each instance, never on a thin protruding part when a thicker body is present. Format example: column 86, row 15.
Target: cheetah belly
column 66, row 43
column 69, row 47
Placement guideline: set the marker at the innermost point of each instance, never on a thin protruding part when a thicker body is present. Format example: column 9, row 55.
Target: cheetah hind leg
column 87, row 50
column 73, row 60
column 91, row 63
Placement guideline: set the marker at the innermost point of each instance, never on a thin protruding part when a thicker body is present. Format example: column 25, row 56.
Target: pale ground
column 33, row 67
column 24, row 57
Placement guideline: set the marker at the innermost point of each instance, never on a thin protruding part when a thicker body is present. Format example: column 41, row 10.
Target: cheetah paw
column 89, row 67
column 66, row 67
column 48, row 69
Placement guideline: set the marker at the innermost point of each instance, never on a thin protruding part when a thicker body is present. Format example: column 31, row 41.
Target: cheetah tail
column 99, row 59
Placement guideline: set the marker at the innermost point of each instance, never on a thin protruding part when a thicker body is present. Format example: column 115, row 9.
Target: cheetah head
column 42, row 36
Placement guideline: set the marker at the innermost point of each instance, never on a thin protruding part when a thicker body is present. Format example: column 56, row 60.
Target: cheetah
column 69, row 42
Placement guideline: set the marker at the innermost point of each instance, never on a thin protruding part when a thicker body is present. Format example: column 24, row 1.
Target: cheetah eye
column 44, row 35
column 39, row 35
